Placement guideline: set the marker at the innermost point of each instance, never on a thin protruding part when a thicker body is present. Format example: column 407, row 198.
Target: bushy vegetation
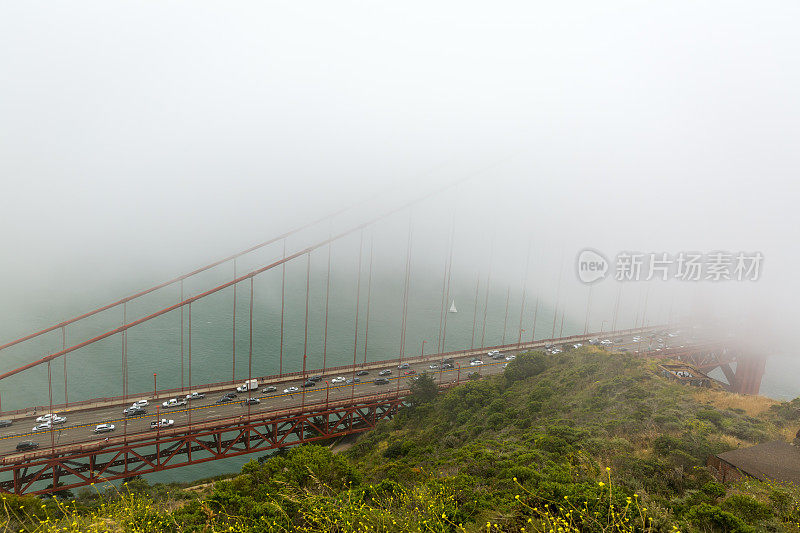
column 580, row 441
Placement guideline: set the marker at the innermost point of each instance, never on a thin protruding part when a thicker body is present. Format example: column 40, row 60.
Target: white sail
column 453, row 307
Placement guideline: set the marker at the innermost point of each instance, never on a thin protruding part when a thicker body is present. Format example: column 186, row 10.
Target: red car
column 410, row 372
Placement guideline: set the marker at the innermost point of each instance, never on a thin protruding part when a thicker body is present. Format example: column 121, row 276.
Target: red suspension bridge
column 317, row 402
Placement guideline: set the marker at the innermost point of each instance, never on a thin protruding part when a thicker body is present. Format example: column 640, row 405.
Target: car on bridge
column 606, row 342
column 26, row 446
column 231, row 395
column 403, row 366
column 353, row 380
column 290, row 390
column 381, row 381
column 492, row 353
column 5, row 423
column 44, row 426
column 511, row 357
column 315, row 378
column 362, row 373
column 410, row 372
column 104, row 428
column 433, row 366
column 386, row 372
column 309, row 383
column 338, row 379
column 226, row 399
column 446, row 366
column 195, row 396
column 476, row 362
column 47, row 417
column 252, row 401
column 163, row 423
column 134, row 410
column 269, row 389
column 174, row 402
column 141, row 403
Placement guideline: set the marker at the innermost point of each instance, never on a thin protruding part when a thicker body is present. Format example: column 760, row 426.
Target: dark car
column 381, row 381
column 362, row 373
column 5, row 423
column 386, row 372
column 315, row 378
column 26, row 445
column 252, row 401
column 229, row 395
column 269, row 389
column 404, row 365
column 309, row 383
column 225, row 399
column 448, row 361
column 353, row 380
column 134, row 411
column 445, row 366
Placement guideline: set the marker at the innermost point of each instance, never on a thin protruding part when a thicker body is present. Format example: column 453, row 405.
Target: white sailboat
column 453, row 307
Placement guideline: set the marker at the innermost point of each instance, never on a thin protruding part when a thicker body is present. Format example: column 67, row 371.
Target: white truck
column 250, row 384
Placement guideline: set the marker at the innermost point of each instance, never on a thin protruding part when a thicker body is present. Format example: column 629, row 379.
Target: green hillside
column 581, row 441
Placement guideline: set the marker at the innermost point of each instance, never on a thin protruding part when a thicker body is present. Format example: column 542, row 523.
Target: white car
column 173, row 402
column 104, row 428
column 47, row 417
column 476, row 362
column 290, row 390
column 163, row 423
column 510, row 357
column 44, row 426
column 577, row 345
column 195, row 396
column 58, row 419
column 637, row 338
column 338, row 379
column 141, row 403
column 433, row 366
column 492, row 353
column 606, row 342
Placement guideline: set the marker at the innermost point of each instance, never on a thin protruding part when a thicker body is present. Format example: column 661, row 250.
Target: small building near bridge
column 685, row 373
column 774, row 461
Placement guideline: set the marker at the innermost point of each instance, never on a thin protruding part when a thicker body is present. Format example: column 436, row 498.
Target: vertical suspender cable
column 369, row 293
column 358, row 302
column 327, row 297
column 535, row 312
column 305, row 331
column 475, row 312
column 283, row 299
column 182, row 369
column 449, row 275
column 558, row 295
column 524, row 288
column 250, row 349
column 64, row 347
column 233, row 328
column 505, row 319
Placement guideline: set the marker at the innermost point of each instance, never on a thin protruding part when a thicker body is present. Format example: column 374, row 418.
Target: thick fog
column 139, row 141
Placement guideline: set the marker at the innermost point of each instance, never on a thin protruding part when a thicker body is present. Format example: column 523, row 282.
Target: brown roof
column 776, row 460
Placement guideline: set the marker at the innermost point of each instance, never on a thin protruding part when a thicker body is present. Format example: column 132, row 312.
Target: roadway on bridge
column 80, row 425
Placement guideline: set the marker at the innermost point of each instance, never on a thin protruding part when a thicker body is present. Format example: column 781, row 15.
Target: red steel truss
column 744, row 379
column 74, row 466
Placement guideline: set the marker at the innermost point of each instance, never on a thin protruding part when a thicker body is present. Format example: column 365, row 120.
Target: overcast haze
column 140, row 140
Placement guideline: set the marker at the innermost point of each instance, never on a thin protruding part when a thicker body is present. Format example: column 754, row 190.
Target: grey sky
column 177, row 132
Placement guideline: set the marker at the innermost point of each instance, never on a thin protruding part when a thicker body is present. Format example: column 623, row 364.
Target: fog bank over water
column 140, row 142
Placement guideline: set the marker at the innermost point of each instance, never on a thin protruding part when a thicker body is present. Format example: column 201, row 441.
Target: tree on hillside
column 525, row 365
column 423, row 389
